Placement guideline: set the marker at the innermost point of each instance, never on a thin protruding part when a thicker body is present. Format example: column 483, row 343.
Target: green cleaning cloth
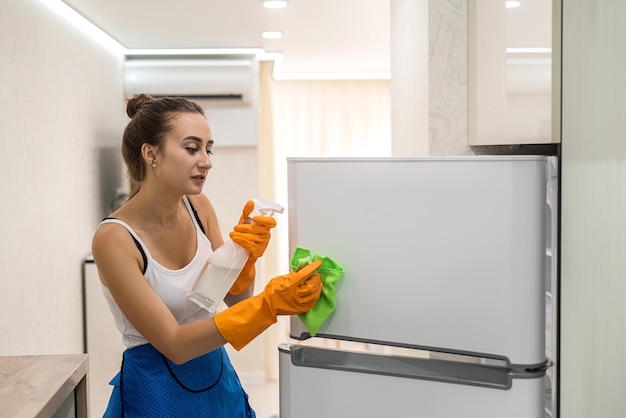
column 330, row 273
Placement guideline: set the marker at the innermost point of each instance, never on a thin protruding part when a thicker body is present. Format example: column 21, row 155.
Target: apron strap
column 188, row 389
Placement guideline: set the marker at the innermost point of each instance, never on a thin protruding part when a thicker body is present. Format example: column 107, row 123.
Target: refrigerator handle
column 297, row 329
column 408, row 367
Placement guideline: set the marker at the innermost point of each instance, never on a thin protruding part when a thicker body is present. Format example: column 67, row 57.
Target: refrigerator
column 445, row 306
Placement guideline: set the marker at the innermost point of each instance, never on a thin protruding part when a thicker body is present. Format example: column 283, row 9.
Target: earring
column 153, row 163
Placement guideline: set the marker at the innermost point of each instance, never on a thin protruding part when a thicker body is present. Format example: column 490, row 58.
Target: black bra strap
column 195, row 214
column 140, row 248
column 143, row 254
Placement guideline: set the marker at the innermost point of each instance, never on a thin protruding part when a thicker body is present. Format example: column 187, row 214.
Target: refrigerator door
column 324, row 383
column 444, row 254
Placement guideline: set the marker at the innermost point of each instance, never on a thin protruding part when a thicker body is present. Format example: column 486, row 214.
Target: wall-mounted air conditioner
column 223, row 79
column 226, row 87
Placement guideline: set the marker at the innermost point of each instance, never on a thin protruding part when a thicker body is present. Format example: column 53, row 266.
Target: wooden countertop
column 36, row 386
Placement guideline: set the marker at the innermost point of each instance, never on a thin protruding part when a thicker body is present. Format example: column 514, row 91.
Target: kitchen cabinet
column 593, row 203
column 102, row 340
column 514, row 72
column 43, row 386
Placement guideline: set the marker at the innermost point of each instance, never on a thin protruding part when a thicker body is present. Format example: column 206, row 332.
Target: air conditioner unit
column 223, row 79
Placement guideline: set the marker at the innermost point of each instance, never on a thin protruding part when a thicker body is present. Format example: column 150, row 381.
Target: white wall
column 61, row 104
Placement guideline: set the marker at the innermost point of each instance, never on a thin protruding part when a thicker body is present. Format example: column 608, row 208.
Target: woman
column 149, row 253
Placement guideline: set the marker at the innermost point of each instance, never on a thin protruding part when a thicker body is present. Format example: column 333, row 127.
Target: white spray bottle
column 223, row 266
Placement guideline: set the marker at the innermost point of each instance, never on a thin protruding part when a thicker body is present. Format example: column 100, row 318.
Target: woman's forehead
column 191, row 124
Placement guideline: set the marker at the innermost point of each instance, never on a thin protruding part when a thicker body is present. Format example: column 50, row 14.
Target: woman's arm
column 231, row 299
column 119, row 265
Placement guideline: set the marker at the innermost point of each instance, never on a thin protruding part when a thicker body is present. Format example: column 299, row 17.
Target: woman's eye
column 192, row 150
column 209, row 152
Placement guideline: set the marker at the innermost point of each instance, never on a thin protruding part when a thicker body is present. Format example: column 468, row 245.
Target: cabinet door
column 514, row 72
column 103, row 341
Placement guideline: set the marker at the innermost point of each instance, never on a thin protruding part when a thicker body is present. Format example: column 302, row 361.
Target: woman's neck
column 151, row 208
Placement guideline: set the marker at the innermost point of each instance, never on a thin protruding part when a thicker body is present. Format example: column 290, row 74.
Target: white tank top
column 170, row 285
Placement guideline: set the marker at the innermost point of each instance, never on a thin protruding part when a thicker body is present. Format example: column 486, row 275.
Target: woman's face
column 184, row 160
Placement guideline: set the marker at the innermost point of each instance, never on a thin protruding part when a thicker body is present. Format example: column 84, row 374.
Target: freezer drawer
column 317, row 383
column 440, row 253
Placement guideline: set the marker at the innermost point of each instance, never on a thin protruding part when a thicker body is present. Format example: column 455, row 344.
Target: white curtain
column 314, row 118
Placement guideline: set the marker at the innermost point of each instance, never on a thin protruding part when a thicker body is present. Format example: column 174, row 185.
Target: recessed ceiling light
column 272, row 34
column 274, row 4
column 512, row 3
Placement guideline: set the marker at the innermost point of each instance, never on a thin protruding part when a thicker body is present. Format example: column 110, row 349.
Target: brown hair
column 151, row 120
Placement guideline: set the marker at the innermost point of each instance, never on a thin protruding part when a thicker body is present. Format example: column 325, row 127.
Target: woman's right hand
column 295, row 292
column 290, row 294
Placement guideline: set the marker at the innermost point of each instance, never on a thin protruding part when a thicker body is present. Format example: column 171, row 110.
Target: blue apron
column 149, row 385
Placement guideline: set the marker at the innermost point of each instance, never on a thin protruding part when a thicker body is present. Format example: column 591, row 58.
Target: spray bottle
column 223, row 266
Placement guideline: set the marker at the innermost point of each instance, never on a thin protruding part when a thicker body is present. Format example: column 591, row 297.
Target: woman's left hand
column 254, row 237
column 253, row 234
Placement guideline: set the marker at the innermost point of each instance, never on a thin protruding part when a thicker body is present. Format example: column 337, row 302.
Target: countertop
column 36, row 386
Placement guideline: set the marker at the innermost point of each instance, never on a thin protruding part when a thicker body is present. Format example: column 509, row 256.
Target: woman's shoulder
column 118, row 228
column 111, row 234
column 202, row 204
column 114, row 245
column 199, row 199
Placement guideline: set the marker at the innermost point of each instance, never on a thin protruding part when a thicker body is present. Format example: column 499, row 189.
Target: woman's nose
column 206, row 161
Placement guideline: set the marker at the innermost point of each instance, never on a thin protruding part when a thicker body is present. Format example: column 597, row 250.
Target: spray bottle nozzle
column 269, row 212
column 264, row 207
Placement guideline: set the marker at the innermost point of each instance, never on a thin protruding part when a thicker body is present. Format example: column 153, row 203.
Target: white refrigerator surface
column 440, row 253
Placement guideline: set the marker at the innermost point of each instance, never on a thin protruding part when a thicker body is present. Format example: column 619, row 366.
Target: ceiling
column 320, row 36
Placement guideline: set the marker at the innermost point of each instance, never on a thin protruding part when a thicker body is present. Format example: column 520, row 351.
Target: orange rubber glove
column 290, row 294
column 254, row 237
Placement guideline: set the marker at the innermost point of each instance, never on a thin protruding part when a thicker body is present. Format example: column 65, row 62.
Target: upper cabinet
column 514, row 72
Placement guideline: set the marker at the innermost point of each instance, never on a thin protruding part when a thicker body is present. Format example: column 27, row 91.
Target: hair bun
column 133, row 105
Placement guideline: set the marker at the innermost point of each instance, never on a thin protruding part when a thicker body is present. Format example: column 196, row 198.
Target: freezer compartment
column 441, row 253
column 318, row 382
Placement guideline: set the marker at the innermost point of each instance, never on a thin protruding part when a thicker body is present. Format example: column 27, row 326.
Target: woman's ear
column 148, row 152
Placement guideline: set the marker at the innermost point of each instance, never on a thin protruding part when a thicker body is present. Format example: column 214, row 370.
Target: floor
column 264, row 399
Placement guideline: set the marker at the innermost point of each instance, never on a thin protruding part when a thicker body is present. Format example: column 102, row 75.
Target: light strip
column 333, row 76
column 277, row 57
column 196, row 51
column 77, row 20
